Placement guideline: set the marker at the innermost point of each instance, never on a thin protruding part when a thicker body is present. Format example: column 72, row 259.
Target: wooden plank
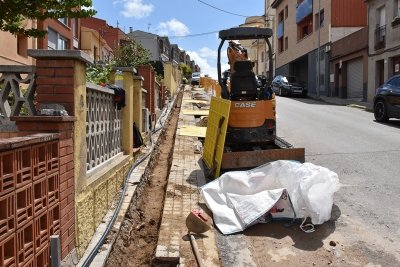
column 192, row 131
column 195, row 112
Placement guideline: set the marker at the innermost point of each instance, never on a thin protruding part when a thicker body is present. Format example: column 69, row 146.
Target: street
column 364, row 227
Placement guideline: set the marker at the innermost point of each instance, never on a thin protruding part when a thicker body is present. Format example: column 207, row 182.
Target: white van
column 196, row 78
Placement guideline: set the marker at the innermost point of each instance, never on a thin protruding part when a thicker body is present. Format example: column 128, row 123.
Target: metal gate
column 355, row 78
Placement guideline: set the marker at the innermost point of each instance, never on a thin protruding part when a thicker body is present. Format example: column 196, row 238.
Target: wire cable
column 222, row 9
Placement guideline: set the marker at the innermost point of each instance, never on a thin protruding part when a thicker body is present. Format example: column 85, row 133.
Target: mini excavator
column 250, row 137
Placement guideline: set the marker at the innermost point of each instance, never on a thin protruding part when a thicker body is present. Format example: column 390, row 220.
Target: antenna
column 148, row 27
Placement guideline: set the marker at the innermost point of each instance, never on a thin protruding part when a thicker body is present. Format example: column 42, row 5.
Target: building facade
column 111, row 35
column 63, row 34
column 383, row 42
column 14, row 48
column 95, row 46
column 175, row 54
column 304, row 28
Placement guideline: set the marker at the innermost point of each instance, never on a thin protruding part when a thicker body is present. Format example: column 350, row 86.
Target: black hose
column 92, row 254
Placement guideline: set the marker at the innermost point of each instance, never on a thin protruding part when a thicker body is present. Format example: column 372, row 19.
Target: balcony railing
column 17, row 90
column 303, row 10
column 103, row 126
column 380, row 38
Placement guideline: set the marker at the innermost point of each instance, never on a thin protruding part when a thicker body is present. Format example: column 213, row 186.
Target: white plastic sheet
column 239, row 198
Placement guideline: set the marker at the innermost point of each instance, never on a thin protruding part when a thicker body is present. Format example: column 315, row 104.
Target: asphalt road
column 365, row 217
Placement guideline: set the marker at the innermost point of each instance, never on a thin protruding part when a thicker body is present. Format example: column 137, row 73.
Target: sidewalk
column 344, row 102
column 182, row 195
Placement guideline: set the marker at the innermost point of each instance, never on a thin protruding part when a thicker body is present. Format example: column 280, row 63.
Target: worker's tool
column 196, row 223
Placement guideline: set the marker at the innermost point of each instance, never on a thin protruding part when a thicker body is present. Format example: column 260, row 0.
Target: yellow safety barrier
column 216, row 133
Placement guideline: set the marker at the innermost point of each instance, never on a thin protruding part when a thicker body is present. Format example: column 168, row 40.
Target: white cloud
column 87, row 7
column 174, row 27
column 207, row 52
column 205, row 67
column 135, row 8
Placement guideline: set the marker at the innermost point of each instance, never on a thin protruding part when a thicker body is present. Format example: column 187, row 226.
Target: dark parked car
column 387, row 100
column 288, row 85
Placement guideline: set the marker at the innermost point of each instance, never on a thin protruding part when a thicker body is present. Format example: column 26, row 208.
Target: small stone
column 332, row 243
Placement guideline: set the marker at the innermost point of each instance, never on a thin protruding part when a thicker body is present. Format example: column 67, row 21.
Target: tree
column 14, row 12
column 185, row 69
column 132, row 54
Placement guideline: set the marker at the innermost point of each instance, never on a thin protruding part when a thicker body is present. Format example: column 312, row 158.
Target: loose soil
column 137, row 240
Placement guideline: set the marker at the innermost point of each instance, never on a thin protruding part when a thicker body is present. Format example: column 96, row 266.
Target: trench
column 137, row 239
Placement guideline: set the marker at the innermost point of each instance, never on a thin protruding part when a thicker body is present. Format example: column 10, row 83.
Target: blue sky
column 182, row 18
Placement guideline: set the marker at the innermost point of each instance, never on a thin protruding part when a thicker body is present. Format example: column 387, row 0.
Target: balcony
column 280, row 30
column 303, row 10
column 380, row 38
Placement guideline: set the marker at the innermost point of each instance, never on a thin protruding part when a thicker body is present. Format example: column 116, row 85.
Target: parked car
column 196, row 78
column 387, row 100
column 288, row 85
column 260, row 79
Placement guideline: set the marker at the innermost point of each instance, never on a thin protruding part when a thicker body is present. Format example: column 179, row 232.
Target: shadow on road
column 308, row 100
column 392, row 123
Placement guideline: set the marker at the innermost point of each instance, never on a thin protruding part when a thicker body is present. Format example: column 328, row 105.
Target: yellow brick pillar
column 126, row 82
column 168, row 77
column 137, row 101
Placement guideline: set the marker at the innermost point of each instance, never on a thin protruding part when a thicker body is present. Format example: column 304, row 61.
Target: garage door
column 355, row 78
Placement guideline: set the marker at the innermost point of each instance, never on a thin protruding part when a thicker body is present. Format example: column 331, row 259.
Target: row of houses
column 93, row 36
column 341, row 48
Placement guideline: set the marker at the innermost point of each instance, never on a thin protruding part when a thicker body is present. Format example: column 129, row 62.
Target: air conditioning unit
column 145, row 120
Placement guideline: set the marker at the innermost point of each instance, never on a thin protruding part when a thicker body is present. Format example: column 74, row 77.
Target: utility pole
column 318, row 56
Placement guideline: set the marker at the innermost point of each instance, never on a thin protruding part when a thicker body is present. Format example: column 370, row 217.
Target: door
column 355, row 79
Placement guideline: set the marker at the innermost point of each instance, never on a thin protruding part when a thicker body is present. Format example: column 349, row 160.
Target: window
column 56, row 41
column 64, row 20
column 95, row 52
column 22, row 45
column 304, row 31
column 262, row 56
column 62, row 43
column 321, row 19
column 280, row 45
column 286, row 11
column 396, row 8
column 75, row 27
column 280, row 18
column 286, row 43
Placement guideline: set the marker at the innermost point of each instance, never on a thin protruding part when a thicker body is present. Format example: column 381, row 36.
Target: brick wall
column 55, row 83
column 145, row 72
column 29, row 198
column 59, row 157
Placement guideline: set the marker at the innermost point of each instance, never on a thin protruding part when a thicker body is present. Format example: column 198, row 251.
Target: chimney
column 130, row 29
